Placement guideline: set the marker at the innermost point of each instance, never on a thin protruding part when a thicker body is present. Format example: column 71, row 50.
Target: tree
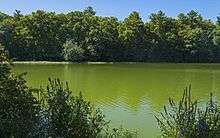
column 165, row 39
column 3, row 16
column 73, row 52
column 132, row 35
column 102, row 41
column 89, row 10
column 196, row 35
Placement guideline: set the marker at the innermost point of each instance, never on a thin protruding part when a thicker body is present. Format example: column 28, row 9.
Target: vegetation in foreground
column 83, row 36
column 54, row 112
column 50, row 112
column 187, row 120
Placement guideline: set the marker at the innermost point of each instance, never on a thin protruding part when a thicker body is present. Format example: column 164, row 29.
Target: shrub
column 70, row 116
column 18, row 107
column 185, row 119
column 120, row 133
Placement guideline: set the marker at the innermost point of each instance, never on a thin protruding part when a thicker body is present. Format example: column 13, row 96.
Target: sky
column 209, row 9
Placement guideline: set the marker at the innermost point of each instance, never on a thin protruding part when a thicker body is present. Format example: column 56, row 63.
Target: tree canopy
column 84, row 36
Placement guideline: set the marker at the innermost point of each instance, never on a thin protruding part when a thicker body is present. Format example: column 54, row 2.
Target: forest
column 82, row 36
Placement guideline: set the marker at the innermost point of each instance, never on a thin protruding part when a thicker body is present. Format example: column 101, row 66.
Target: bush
column 70, row 116
column 187, row 120
column 73, row 52
column 18, row 107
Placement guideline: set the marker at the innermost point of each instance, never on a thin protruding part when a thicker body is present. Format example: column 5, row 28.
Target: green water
column 130, row 94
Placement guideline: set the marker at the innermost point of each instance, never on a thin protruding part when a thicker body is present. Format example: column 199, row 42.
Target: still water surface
column 129, row 94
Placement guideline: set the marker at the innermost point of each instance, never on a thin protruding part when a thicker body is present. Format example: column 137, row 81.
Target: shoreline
column 64, row 62
column 59, row 62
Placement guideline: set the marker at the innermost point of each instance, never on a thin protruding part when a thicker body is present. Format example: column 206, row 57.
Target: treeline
column 83, row 36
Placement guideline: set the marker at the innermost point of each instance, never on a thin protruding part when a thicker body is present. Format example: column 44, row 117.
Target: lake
column 129, row 94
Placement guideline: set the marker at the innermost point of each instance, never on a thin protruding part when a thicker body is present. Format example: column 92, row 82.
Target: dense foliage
column 186, row 120
column 83, row 36
column 18, row 107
